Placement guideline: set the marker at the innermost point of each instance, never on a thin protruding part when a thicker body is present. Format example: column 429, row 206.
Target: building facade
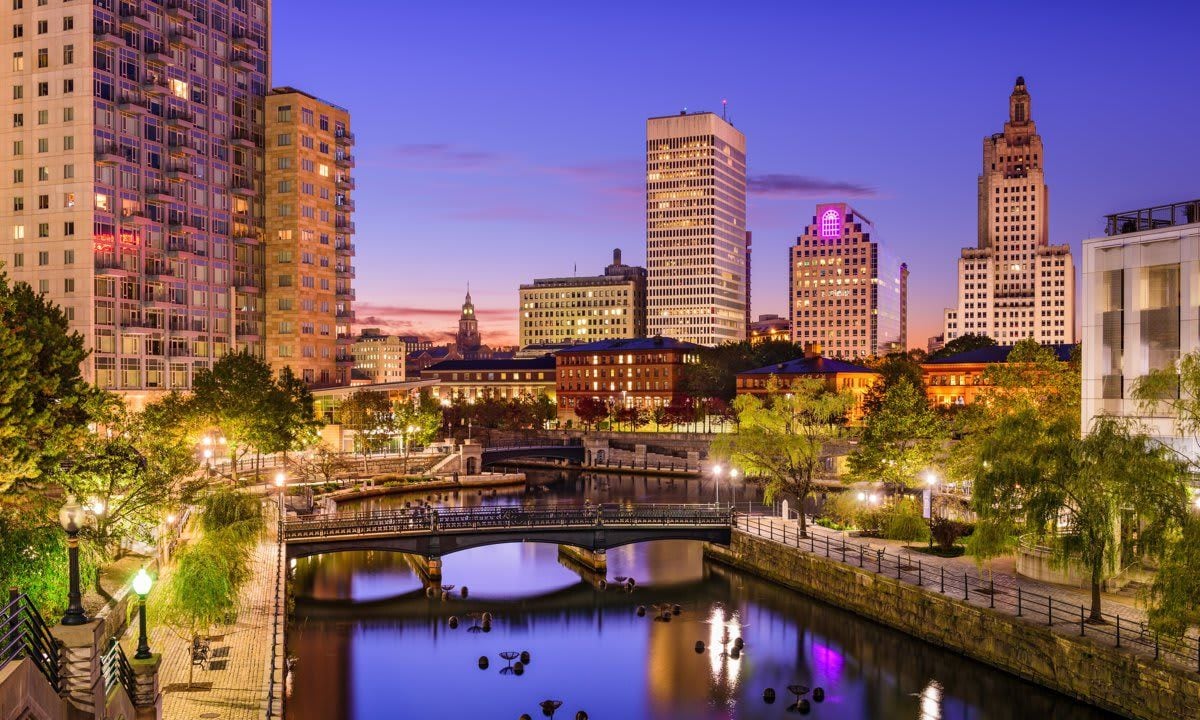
column 585, row 309
column 645, row 372
column 476, row 380
column 380, row 358
column 959, row 379
column 848, row 294
column 770, row 328
column 1014, row 284
column 696, row 241
column 130, row 154
column 310, row 297
column 1141, row 311
column 837, row 376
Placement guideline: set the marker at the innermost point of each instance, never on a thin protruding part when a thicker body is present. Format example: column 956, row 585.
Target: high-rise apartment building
column 585, row 309
column 130, row 145
column 1014, row 284
column 310, row 225
column 696, row 241
column 848, row 294
column 1140, row 285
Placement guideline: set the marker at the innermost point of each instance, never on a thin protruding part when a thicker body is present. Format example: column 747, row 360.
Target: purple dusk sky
column 499, row 142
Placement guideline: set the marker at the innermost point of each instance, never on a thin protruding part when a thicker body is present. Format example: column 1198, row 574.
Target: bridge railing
column 422, row 520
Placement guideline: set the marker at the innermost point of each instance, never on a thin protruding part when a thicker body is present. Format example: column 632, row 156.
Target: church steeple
column 468, row 339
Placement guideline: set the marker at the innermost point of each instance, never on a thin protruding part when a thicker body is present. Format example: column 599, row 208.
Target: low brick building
column 836, row 374
column 504, row 379
column 958, row 379
column 640, row 372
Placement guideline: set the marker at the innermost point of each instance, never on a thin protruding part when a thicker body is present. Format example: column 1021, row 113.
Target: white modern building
column 697, row 247
column 1141, row 292
column 1014, row 284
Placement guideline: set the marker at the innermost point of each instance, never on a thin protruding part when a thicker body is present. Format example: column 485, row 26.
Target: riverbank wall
column 1100, row 675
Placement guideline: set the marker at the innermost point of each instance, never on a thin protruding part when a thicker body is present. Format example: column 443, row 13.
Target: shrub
column 842, row 509
column 902, row 520
column 946, row 532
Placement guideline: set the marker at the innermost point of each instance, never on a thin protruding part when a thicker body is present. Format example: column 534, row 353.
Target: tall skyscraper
column 1014, row 284
column 309, row 230
column 130, row 156
column 696, row 241
column 848, row 294
column 585, row 309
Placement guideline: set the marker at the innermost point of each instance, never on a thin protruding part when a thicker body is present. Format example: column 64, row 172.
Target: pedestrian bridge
column 437, row 532
column 573, row 453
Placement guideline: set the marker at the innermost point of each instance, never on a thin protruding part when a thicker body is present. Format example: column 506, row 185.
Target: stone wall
column 1104, row 676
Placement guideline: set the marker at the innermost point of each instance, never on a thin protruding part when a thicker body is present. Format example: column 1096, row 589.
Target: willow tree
column 781, row 439
column 1069, row 491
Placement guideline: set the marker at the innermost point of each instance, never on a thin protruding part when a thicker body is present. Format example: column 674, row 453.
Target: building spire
column 1019, row 111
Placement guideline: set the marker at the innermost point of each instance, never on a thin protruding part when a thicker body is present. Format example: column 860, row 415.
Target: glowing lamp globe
column 70, row 516
column 279, row 479
column 142, row 582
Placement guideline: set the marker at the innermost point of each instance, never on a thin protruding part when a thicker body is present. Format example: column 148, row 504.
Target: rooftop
column 809, row 366
column 633, row 344
column 996, row 354
column 1152, row 218
column 287, row 90
column 545, row 362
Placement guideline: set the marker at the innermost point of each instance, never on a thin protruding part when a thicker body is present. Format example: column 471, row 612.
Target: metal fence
column 116, row 670
column 426, row 520
column 276, row 697
column 1122, row 631
column 25, row 635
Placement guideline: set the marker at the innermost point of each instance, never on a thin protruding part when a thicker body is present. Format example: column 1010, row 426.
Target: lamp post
column 716, row 471
column 72, row 516
column 141, row 586
column 931, row 480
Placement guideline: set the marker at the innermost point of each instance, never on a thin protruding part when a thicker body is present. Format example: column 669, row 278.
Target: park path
column 1069, row 604
column 234, row 685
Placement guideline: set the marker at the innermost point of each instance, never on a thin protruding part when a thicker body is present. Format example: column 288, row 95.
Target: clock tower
column 468, row 328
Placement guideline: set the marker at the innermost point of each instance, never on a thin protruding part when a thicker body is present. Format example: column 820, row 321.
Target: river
column 369, row 644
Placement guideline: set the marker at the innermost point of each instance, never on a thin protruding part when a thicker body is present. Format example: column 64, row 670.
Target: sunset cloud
column 801, row 186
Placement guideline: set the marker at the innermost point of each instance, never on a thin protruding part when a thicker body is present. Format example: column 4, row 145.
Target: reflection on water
column 370, row 644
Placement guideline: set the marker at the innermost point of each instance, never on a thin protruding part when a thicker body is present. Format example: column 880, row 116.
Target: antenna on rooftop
column 724, row 107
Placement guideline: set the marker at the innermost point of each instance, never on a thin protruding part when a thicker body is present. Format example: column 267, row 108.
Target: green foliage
column 1174, row 598
column 781, row 439
column 842, row 508
column 994, row 536
column 370, row 415
column 902, row 520
column 901, row 440
column 288, row 420
column 1175, row 390
column 961, row 344
column 715, row 376
column 946, row 532
column 419, row 421
column 893, row 369
column 33, row 549
column 1069, row 491
column 43, row 397
column 238, row 514
column 205, row 583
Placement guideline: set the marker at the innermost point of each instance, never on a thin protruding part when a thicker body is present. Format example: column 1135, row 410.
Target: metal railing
column 423, row 521
column 1062, row 616
column 276, row 698
column 116, row 670
column 25, row 634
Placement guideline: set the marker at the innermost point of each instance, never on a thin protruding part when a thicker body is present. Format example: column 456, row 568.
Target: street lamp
column 931, row 480
column 141, row 586
column 72, row 516
column 716, row 471
column 280, row 479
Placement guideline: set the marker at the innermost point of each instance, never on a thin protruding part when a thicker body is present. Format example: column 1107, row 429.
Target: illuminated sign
column 831, row 224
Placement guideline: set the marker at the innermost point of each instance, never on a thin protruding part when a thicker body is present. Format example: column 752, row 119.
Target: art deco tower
column 1014, row 284
column 696, row 240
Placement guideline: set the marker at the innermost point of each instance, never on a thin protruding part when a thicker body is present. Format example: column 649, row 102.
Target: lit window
column 831, row 222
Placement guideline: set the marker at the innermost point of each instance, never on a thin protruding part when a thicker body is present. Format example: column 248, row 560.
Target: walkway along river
column 369, row 643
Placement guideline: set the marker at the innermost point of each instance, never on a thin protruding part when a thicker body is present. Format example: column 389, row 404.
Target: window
column 69, row 229
column 68, row 173
column 18, row 30
column 43, row 57
column 43, row 257
column 68, row 86
column 69, row 22
column 68, row 114
column 43, row 117
column 43, row 27
column 68, row 54
column 68, row 257
column 18, row 119
column 18, row 147
column 43, row 89
column 43, row 202
column 68, row 285
column 18, row 61
column 18, row 259
column 43, row 230
column 43, row 173
column 284, row 113
column 43, row 145
column 283, row 140
column 69, row 142
column 18, row 204
column 18, row 92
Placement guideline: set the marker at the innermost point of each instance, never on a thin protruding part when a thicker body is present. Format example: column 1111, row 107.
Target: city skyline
column 555, row 180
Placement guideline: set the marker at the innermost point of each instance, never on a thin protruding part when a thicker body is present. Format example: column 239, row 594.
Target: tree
column 1070, row 492
column 1174, row 598
column 962, row 344
column 590, row 411
column 324, row 464
column 658, row 416
column 715, row 375
column 1177, row 391
column 419, row 421
column 234, row 395
column 893, row 368
column 900, row 440
column 288, row 421
column 680, row 411
column 43, row 396
column 370, row 416
column 136, row 469
column 781, row 438
column 904, row 522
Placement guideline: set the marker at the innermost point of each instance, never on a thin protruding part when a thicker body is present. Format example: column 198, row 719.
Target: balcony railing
column 186, row 38
column 1153, row 218
column 179, row 9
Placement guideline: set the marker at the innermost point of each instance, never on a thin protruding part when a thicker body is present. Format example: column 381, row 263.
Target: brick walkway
column 1010, row 590
column 233, row 685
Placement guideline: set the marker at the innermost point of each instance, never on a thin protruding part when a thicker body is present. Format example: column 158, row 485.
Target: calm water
column 370, row 645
